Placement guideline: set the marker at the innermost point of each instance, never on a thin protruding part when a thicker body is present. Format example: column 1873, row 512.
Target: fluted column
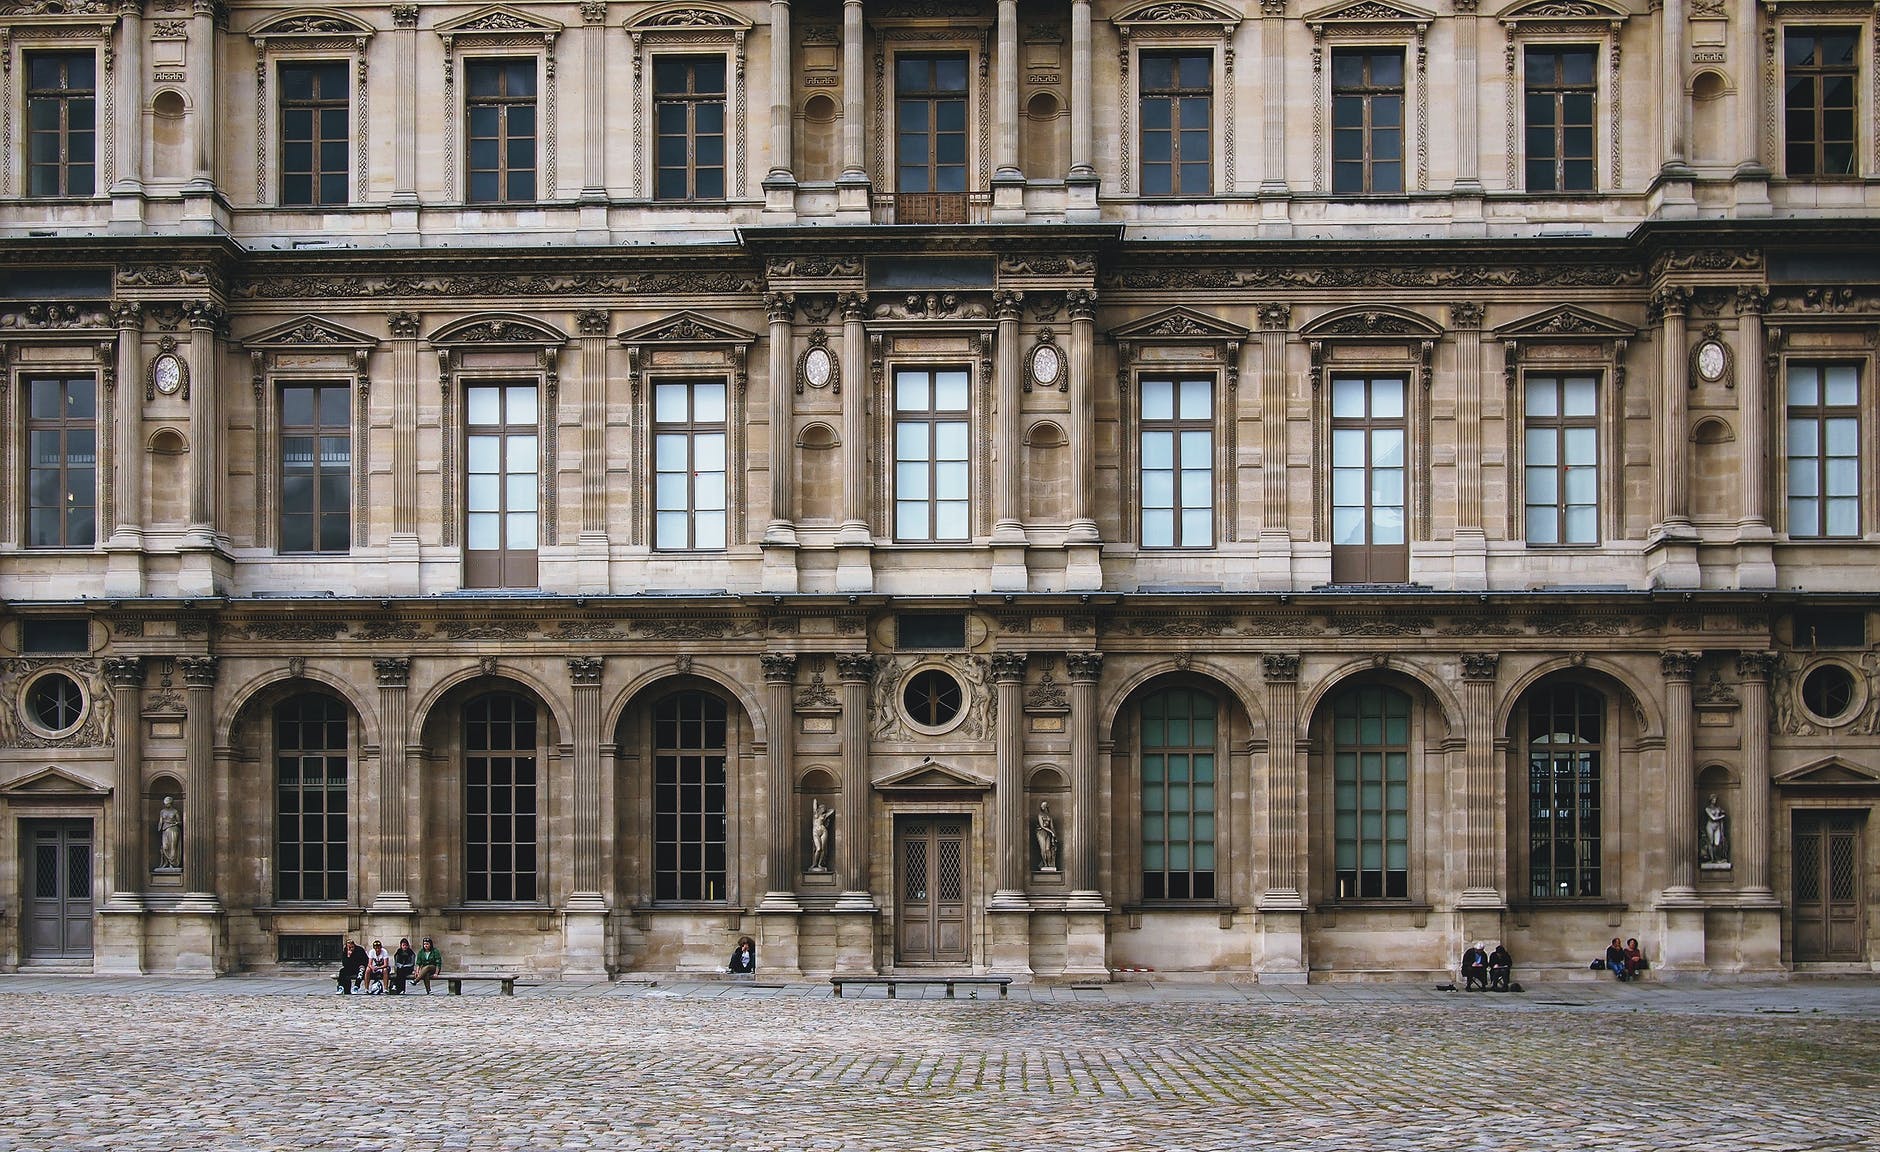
column 1084, row 670
column 1672, row 101
column 852, row 100
column 780, row 717
column 780, row 309
column 1749, row 94
column 1674, row 484
column 1081, row 80
column 594, row 100
column 1752, row 398
column 127, row 449
column 1285, row 887
column 1005, row 110
column 394, row 863
column 1680, row 780
column 202, row 94
column 405, row 103
column 199, row 817
column 856, row 670
column 1082, row 303
column 129, row 857
column 854, row 571
column 782, row 84
column 129, row 110
column 204, row 441
column 584, row 672
column 1008, row 679
column 593, row 324
column 1006, row 522
column 1484, row 804
column 1750, row 852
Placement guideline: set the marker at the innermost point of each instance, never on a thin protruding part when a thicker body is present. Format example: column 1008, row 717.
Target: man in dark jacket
column 1615, row 960
column 352, row 966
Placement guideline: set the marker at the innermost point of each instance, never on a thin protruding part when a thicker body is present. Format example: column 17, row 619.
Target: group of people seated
column 1625, row 961
column 379, row 972
column 1486, row 971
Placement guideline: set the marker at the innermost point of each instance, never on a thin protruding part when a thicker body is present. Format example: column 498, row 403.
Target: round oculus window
column 932, row 698
column 54, row 703
column 1829, row 692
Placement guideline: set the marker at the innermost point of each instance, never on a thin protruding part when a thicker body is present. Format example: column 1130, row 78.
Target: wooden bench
column 1002, row 982
column 454, row 984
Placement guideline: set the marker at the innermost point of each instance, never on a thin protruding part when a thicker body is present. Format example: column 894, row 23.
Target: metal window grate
column 299, row 949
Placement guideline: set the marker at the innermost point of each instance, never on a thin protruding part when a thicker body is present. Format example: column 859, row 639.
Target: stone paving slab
column 281, row 1063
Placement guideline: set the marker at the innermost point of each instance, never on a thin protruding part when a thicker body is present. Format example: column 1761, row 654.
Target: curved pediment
column 687, row 327
column 1178, row 324
column 932, row 776
column 1375, row 323
column 689, row 17
column 1562, row 11
column 1369, row 12
column 1566, row 322
column 311, row 22
column 498, row 328
column 1830, row 772
column 309, row 332
column 498, row 19
column 1181, row 14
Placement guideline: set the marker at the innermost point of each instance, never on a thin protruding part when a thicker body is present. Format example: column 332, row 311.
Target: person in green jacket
column 430, row 960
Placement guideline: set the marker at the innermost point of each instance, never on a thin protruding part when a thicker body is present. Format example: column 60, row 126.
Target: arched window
column 1178, row 756
column 310, row 779
column 1564, row 729
column 499, row 802
column 1371, row 792
column 689, row 753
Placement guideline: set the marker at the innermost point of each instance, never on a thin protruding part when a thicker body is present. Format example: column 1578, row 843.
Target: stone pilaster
column 584, row 952
column 1012, row 833
column 596, row 574
column 119, row 945
column 1083, row 567
column 124, row 564
column 1275, row 559
column 779, row 541
column 203, row 103
column 854, row 569
column 402, row 546
column 856, row 671
column 1680, row 911
column 197, row 576
column 1282, row 904
column 1008, row 183
column 782, row 168
column 1672, row 101
column 852, row 185
column 780, row 831
column 1008, row 532
column 1086, row 938
column 1471, row 534
column 405, row 148
column 393, row 874
column 1755, row 560
column 1485, row 866
column 594, row 102
column 1082, row 178
column 199, row 816
column 1750, row 852
column 127, row 204
column 1674, row 484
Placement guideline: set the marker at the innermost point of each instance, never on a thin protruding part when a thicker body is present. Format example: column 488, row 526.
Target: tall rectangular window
column 501, row 117
column 931, row 453
column 1178, row 795
column 1824, row 450
column 1367, row 121
column 1178, row 463
column 689, row 465
column 1820, row 78
column 1564, row 723
column 316, row 468
column 316, row 133
column 499, row 802
column 310, row 752
column 1177, row 122
column 1368, row 470
column 930, row 139
column 1562, row 89
column 62, row 462
column 1560, row 478
column 1371, row 793
column 61, row 123
column 689, row 111
column 502, row 486
column 690, row 730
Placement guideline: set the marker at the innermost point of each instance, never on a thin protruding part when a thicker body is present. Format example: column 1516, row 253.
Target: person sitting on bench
column 1500, row 968
column 744, row 958
column 1474, row 968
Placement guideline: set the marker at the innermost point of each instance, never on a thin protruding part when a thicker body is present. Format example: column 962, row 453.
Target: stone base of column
column 591, row 225
column 204, row 569
column 593, row 572
column 584, row 937
column 1671, row 558
column 1755, row 556
column 127, row 208
column 779, row 200
column 118, row 947
column 854, row 199
column 779, row 946
column 1086, row 945
column 1008, row 942
column 202, row 947
column 403, row 229
column 1673, row 193
column 1008, row 198
column 1008, row 567
column 1282, row 947
column 1273, row 563
column 124, row 567
column 1481, row 900
column 1009, row 900
column 855, row 569
column 855, row 941
column 1471, row 559
column 779, row 573
column 402, row 566
column 1750, row 188
column 1681, row 944
column 779, row 902
column 391, row 903
column 1080, row 207
column 1083, row 567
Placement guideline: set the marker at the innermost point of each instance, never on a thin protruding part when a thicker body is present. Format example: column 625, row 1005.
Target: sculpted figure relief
column 821, row 819
column 1715, row 848
column 1046, row 831
column 169, row 837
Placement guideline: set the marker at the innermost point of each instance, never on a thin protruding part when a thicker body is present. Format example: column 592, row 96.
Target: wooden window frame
column 934, row 205
column 1559, row 91
column 476, row 574
column 317, row 106
column 1174, row 96
column 1819, row 74
column 931, row 418
column 63, row 98
column 690, row 100
column 503, row 102
column 1393, row 884
column 670, row 871
column 1175, row 428
column 534, row 753
column 1576, row 836
column 63, row 426
column 1373, row 571
column 331, row 872
column 690, row 429
column 318, row 432
column 1368, row 92
column 1820, row 413
column 1559, row 424
column 1194, row 810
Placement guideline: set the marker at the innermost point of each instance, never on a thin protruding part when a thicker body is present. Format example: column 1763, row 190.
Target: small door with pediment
column 1828, row 904
column 58, row 888
column 930, row 890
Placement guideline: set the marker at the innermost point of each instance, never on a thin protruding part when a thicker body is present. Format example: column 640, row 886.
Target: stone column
column 120, row 940
column 1083, row 174
column 393, row 897
column 779, row 541
column 594, row 102
column 202, row 98
column 1086, row 944
column 199, row 814
column 1468, row 120
column 1674, row 484
column 1484, row 872
column 1282, row 904
column 781, row 830
column 1749, row 94
column 402, row 547
column 1008, row 182
column 1273, row 101
column 1084, row 569
column 205, row 320
column 856, row 670
column 782, row 85
column 129, row 129
column 1008, row 530
column 124, row 565
column 1680, row 781
column 596, row 572
column 1012, row 832
column 854, row 570
column 1471, row 534
column 1275, row 557
column 584, row 946
column 1750, row 850
column 1755, row 542
column 852, row 190
column 1672, row 101
column 405, row 151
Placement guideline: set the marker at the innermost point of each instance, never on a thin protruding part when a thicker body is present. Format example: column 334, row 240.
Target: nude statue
column 1715, row 848
column 169, row 837
column 820, row 820
column 1046, row 832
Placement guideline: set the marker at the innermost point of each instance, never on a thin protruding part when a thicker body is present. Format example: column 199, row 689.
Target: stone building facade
column 1060, row 489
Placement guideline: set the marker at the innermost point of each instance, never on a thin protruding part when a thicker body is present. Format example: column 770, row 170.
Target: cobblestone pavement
column 278, row 1063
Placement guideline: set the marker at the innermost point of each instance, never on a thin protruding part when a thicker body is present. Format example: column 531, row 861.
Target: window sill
column 1380, row 904
column 715, row 906
column 498, row 906
column 1214, row 906
column 1570, row 904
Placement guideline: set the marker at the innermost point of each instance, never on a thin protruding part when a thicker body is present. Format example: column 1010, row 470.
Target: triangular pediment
column 932, row 776
column 687, row 327
column 1179, row 13
column 1830, row 772
column 497, row 328
column 311, row 22
column 1369, row 12
column 1178, row 324
column 1558, row 11
column 1379, row 323
column 689, row 18
column 310, row 332
column 1567, row 322
column 52, row 783
column 497, row 18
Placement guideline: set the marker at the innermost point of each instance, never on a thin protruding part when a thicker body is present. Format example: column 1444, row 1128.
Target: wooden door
column 1827, row 857
column 58, row 889
column 930, row 856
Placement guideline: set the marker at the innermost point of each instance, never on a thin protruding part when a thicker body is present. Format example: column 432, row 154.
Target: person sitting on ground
column 1474, row 968
column 1634, row 959
column 1500, row 968
column 352, row 964
column 430, row 961
column 404, row 964
column 378, row 969
column 743, row 958
column 1615, row 960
